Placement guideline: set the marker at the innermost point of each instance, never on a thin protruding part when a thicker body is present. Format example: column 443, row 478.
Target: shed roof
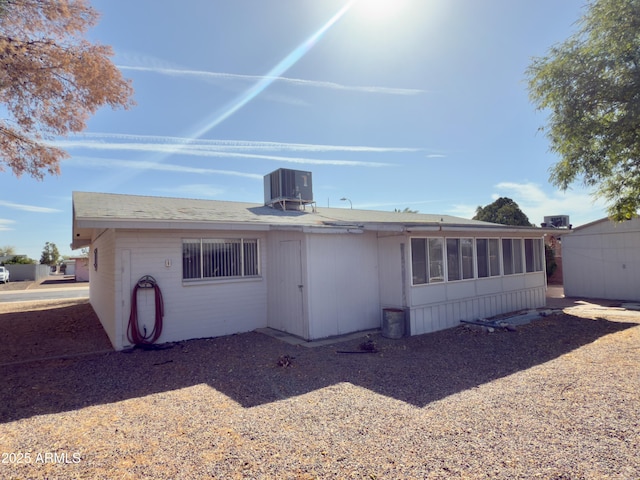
column 108, row 210
column 606, row 225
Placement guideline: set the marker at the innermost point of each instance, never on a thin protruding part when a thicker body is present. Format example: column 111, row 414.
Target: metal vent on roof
column 288, row 189
column 557, row 221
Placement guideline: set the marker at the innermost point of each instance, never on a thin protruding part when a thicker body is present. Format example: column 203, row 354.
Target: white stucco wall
column 102, row 275
column 191, row 309
column 603, row 261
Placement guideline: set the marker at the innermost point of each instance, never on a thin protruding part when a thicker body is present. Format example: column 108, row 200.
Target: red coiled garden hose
column 133, row 331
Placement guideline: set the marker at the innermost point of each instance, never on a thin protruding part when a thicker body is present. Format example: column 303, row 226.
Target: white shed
column 230, row 267
column 602, row 260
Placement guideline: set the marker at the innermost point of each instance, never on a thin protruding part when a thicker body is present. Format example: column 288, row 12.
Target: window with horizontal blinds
column 207, row 258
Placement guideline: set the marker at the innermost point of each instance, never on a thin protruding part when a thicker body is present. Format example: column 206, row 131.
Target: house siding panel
column 452, row 307
column 192, row 309
column 103, row 280
column 343, row 283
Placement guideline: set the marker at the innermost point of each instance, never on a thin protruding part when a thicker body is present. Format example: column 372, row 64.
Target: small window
column 459, row 258
column 427, row 264
column 533, row 254
column 436, row 260
column 512, row 260
column 419, row 260
column 494, row 257
column 220, row 258
column 488, row 257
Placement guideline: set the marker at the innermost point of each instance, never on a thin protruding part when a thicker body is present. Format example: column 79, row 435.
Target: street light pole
column 345, row 199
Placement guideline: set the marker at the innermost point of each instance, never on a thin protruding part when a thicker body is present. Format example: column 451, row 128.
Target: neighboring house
column 230, row 267
column 81, row 268
column 68, row 267
column 602, row 260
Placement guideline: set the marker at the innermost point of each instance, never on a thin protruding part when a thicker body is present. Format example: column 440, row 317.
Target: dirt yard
column 558, row 398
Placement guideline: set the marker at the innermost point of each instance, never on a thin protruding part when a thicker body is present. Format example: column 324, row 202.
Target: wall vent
column 288, row 189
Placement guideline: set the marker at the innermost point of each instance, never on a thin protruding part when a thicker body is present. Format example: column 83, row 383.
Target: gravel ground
column 556, row 399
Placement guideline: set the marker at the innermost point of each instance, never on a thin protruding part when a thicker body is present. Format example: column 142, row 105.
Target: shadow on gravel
column 45, row 329
column 417, row 370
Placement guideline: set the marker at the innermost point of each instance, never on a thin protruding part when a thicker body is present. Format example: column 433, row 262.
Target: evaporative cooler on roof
column 288, row 189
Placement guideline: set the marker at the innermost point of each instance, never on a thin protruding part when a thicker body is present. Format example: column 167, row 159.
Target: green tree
column 406, row 210
column 20, row 260
column 50, row 254
column 7, row 250
column 503, row 211
column 590, row 86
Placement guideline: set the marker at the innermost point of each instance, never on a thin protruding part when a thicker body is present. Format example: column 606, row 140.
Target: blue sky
column 404, row 103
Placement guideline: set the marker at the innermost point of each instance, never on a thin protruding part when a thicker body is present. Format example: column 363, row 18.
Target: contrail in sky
column 285, row 64
column 267, row 78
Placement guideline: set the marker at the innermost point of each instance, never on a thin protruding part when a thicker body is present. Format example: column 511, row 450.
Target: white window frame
column 517, row 256
column 231, row 267
column 431, row 264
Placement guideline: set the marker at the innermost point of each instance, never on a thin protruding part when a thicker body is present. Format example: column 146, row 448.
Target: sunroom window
column 533, row 254
column 488, row 257
column 427, row 263
column 512, row 256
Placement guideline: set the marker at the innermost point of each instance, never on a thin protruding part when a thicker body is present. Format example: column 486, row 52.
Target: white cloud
column 242, row 145
column 205, row 149
column 462, row 210
column 146, row 165
column 5, row 224
column 536, row 203
column 28, row 208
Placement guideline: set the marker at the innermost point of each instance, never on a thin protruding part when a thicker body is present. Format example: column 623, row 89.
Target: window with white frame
column 488, row 257
column 427, row 260
column 512, row 256
column 459, row 259
column 468, row 258
column 533, row 255
column 206, row 258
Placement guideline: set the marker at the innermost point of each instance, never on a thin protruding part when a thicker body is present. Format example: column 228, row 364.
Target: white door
column 289, row 308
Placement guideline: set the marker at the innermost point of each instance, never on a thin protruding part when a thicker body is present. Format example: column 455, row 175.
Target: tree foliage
column 7, row 249
column 406, row 210
column 20, row 260
column 50, row 254
column 503, row 211
column 590, row 85
column 51, row 80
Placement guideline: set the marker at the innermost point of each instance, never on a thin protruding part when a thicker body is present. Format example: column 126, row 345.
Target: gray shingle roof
column 107, row 207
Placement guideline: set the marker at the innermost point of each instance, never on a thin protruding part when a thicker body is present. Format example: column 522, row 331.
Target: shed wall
column 603, row 261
